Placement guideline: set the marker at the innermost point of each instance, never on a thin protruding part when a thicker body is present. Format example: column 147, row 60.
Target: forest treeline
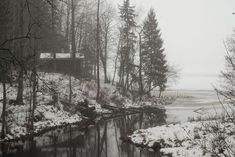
column 95, row 29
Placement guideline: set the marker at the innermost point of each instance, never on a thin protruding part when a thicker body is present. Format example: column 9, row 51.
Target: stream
column 102, row 139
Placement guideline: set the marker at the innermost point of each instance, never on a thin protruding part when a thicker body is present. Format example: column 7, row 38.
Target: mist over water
column 196, row 82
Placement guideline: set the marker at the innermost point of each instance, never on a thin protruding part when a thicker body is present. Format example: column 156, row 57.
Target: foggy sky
column 193, row 32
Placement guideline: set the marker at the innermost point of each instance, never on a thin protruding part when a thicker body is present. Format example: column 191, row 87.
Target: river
column 102, row 139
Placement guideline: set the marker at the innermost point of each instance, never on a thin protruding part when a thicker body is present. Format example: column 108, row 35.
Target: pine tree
column 227, row 87
column 154, row 61
column 127, row 15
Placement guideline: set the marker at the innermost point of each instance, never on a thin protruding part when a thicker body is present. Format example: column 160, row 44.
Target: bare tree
column 53, row 30
column 20, row 90
column 67, row 24
column 116, row 60
column 98, row 50
column 34, row 80
column 73, row 40
column 4, row 66
column 141, row 89
column 106, row 34
column 73, row 53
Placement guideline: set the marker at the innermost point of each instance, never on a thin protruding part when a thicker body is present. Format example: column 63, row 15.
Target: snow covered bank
column 82, row 90
column 53, row 110
column 190, row 139
column 46, row 117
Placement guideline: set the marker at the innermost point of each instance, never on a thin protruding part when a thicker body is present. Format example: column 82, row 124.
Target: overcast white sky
column 193, row 32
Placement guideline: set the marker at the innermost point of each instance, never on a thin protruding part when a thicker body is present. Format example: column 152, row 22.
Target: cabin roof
column 60, row 56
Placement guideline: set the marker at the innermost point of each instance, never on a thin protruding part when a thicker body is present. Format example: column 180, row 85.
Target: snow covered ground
column 189, row 139
column 52, row 107
column 49, row 113
column 46, row 117
column 205, row 137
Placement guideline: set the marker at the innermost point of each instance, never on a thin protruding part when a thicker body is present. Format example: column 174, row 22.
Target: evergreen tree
column 227, row 87
column 128, row 38
column 154, row 61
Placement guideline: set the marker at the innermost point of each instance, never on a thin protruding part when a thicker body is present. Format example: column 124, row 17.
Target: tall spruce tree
column 128, row 38
column 154, row 61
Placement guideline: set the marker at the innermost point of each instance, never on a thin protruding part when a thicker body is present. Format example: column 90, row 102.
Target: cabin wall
column 64, row 66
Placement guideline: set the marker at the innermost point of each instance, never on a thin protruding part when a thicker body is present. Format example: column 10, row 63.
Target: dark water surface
column 99, row 140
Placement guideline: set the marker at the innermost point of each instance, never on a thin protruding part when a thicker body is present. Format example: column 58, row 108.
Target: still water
column 102, row 139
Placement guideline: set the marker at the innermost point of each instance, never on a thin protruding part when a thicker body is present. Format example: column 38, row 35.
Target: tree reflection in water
column 101, row 140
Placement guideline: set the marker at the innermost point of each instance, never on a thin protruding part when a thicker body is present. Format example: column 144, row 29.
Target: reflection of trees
column 55, row 140
column 97, row 141
column 128, row 124
column 152, row 119
column 4, row 150
column 103, row 140
column 116, row 138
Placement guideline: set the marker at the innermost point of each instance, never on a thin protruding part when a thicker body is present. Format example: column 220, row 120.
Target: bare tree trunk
column 105, row 57
column 34, row 79
column 70, row 88
column 73, row 33
column 95, row 70
column 115, row 64
column 115, row 69
column 53, row 32
column 4, row 109
column 80, row 36
column 67, row 25
column 149, row 86
column 140, row 68
column 104, row 63
column 122, row 74
column 160, row 93
column 122, row 71
column 34, row 98
column 127, row 80
column 127, row 59
column 60, row 28
column 98, row 51
column 73, row 54
column 20, row 90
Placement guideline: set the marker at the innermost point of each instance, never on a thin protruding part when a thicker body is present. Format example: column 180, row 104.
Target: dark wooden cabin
column 63, row 63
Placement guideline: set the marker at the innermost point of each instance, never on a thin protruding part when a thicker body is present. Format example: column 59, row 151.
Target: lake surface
column 100, row 140
column 193, row 103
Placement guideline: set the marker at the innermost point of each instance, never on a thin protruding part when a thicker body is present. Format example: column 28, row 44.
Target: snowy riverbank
column 53, row 110
column 46, row 117
column 189, row 139
column 208, row 133
column 49, row 112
